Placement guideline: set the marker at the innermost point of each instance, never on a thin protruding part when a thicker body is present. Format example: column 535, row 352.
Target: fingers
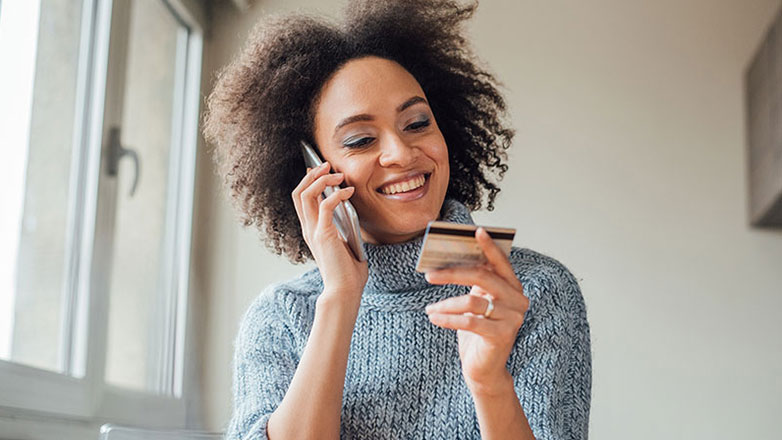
column 315, row 211
column 326, row 208
column 466, row 313
column 311, row 175
column 309, row 197
column 497, row 258
column 477, row 305
column 488, row 328
column 480, row 276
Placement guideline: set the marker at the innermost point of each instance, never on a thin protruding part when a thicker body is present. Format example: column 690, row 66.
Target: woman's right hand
column 342, row 274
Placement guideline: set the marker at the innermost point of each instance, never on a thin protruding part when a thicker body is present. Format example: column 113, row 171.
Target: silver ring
column 489, row 308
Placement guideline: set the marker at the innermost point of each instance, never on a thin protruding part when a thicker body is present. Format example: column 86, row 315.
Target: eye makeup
column 357, row 142
column 420, row 123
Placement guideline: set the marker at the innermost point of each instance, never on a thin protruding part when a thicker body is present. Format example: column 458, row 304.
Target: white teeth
column 408, row 185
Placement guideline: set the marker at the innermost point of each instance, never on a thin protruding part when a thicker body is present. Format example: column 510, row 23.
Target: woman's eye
column 418, row 125
column 359, row 142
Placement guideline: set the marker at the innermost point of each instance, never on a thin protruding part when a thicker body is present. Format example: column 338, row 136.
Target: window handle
column 117, row 152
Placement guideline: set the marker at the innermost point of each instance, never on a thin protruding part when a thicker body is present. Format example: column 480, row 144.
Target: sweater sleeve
column 554, row 384
column 263, row 367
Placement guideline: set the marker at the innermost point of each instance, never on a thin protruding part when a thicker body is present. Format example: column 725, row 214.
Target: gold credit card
column 453, row 244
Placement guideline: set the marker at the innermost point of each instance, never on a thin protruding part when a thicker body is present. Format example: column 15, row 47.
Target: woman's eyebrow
column 409, row 102
column 366, row 117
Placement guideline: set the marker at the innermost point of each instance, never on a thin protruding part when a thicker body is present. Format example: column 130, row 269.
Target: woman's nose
column 396, row 152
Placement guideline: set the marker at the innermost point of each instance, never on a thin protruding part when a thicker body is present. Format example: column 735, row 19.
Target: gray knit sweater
column 404, row 379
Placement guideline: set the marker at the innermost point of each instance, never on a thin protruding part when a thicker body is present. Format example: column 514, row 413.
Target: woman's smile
column 410, row 187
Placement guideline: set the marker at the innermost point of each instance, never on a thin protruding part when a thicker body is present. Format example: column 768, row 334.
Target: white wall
column 629, row 167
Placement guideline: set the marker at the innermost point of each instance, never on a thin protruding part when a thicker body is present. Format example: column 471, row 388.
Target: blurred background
column 124, row 271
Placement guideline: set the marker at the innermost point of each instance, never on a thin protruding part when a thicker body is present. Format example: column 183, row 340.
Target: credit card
column 453, row 244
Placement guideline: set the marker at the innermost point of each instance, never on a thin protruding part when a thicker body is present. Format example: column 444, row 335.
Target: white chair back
column 115, row 432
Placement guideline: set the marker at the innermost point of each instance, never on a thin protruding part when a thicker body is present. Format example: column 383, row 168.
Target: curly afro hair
column 261, row 105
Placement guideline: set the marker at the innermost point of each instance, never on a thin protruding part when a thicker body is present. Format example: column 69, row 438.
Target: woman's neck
column 380, row 238
column 392, row 266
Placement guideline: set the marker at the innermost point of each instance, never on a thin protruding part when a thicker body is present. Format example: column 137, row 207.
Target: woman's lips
column 410, row 195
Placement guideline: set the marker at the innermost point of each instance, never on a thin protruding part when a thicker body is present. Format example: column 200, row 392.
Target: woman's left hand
column 484, row 343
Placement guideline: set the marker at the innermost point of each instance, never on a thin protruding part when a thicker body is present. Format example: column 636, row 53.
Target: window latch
column 117, row 152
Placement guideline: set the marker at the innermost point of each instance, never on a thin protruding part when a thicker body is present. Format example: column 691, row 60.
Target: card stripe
column 467, row 233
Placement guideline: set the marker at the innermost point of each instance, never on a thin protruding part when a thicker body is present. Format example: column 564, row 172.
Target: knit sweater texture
column 404, row 377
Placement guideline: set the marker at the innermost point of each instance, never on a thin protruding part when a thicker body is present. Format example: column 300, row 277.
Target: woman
column 411, row 127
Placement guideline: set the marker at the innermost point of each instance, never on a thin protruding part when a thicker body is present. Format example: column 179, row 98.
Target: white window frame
column 37, row 402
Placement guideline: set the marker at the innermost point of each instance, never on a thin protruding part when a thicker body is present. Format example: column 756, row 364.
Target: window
column 99, row 124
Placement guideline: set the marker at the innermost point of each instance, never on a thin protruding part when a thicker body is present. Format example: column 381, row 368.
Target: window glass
column 140, row 292
column 39, row 54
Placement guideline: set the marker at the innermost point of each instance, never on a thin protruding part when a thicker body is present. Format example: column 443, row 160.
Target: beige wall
column 629, row 167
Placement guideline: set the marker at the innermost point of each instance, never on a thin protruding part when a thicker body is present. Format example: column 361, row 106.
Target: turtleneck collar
column 392, row 274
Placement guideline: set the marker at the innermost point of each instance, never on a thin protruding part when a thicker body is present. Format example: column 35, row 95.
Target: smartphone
column 345, row 217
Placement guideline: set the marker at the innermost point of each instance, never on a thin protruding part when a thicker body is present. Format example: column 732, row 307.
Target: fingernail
column 323, row 165
column 350, row 189
column 429, row 308
column 309, row 169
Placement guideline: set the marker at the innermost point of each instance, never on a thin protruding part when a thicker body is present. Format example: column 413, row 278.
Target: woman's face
column 373, row 123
